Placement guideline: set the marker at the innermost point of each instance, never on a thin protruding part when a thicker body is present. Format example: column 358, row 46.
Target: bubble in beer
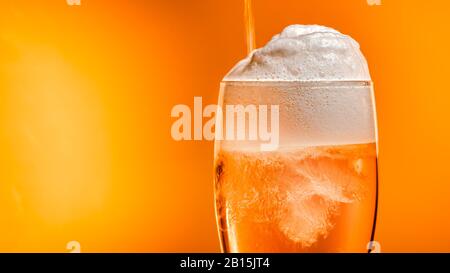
column 300, row 192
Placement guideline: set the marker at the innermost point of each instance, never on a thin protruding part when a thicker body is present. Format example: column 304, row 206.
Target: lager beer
column 317, row 192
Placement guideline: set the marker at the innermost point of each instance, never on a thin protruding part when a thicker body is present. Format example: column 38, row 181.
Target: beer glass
column 317, row 191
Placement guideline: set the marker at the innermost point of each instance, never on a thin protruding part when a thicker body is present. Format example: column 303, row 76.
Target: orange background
column 85, row 99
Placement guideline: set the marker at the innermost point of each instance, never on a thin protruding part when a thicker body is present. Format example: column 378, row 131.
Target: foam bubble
column 304, row 53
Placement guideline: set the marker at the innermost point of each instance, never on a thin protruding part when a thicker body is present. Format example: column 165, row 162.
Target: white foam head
column 304, row 53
